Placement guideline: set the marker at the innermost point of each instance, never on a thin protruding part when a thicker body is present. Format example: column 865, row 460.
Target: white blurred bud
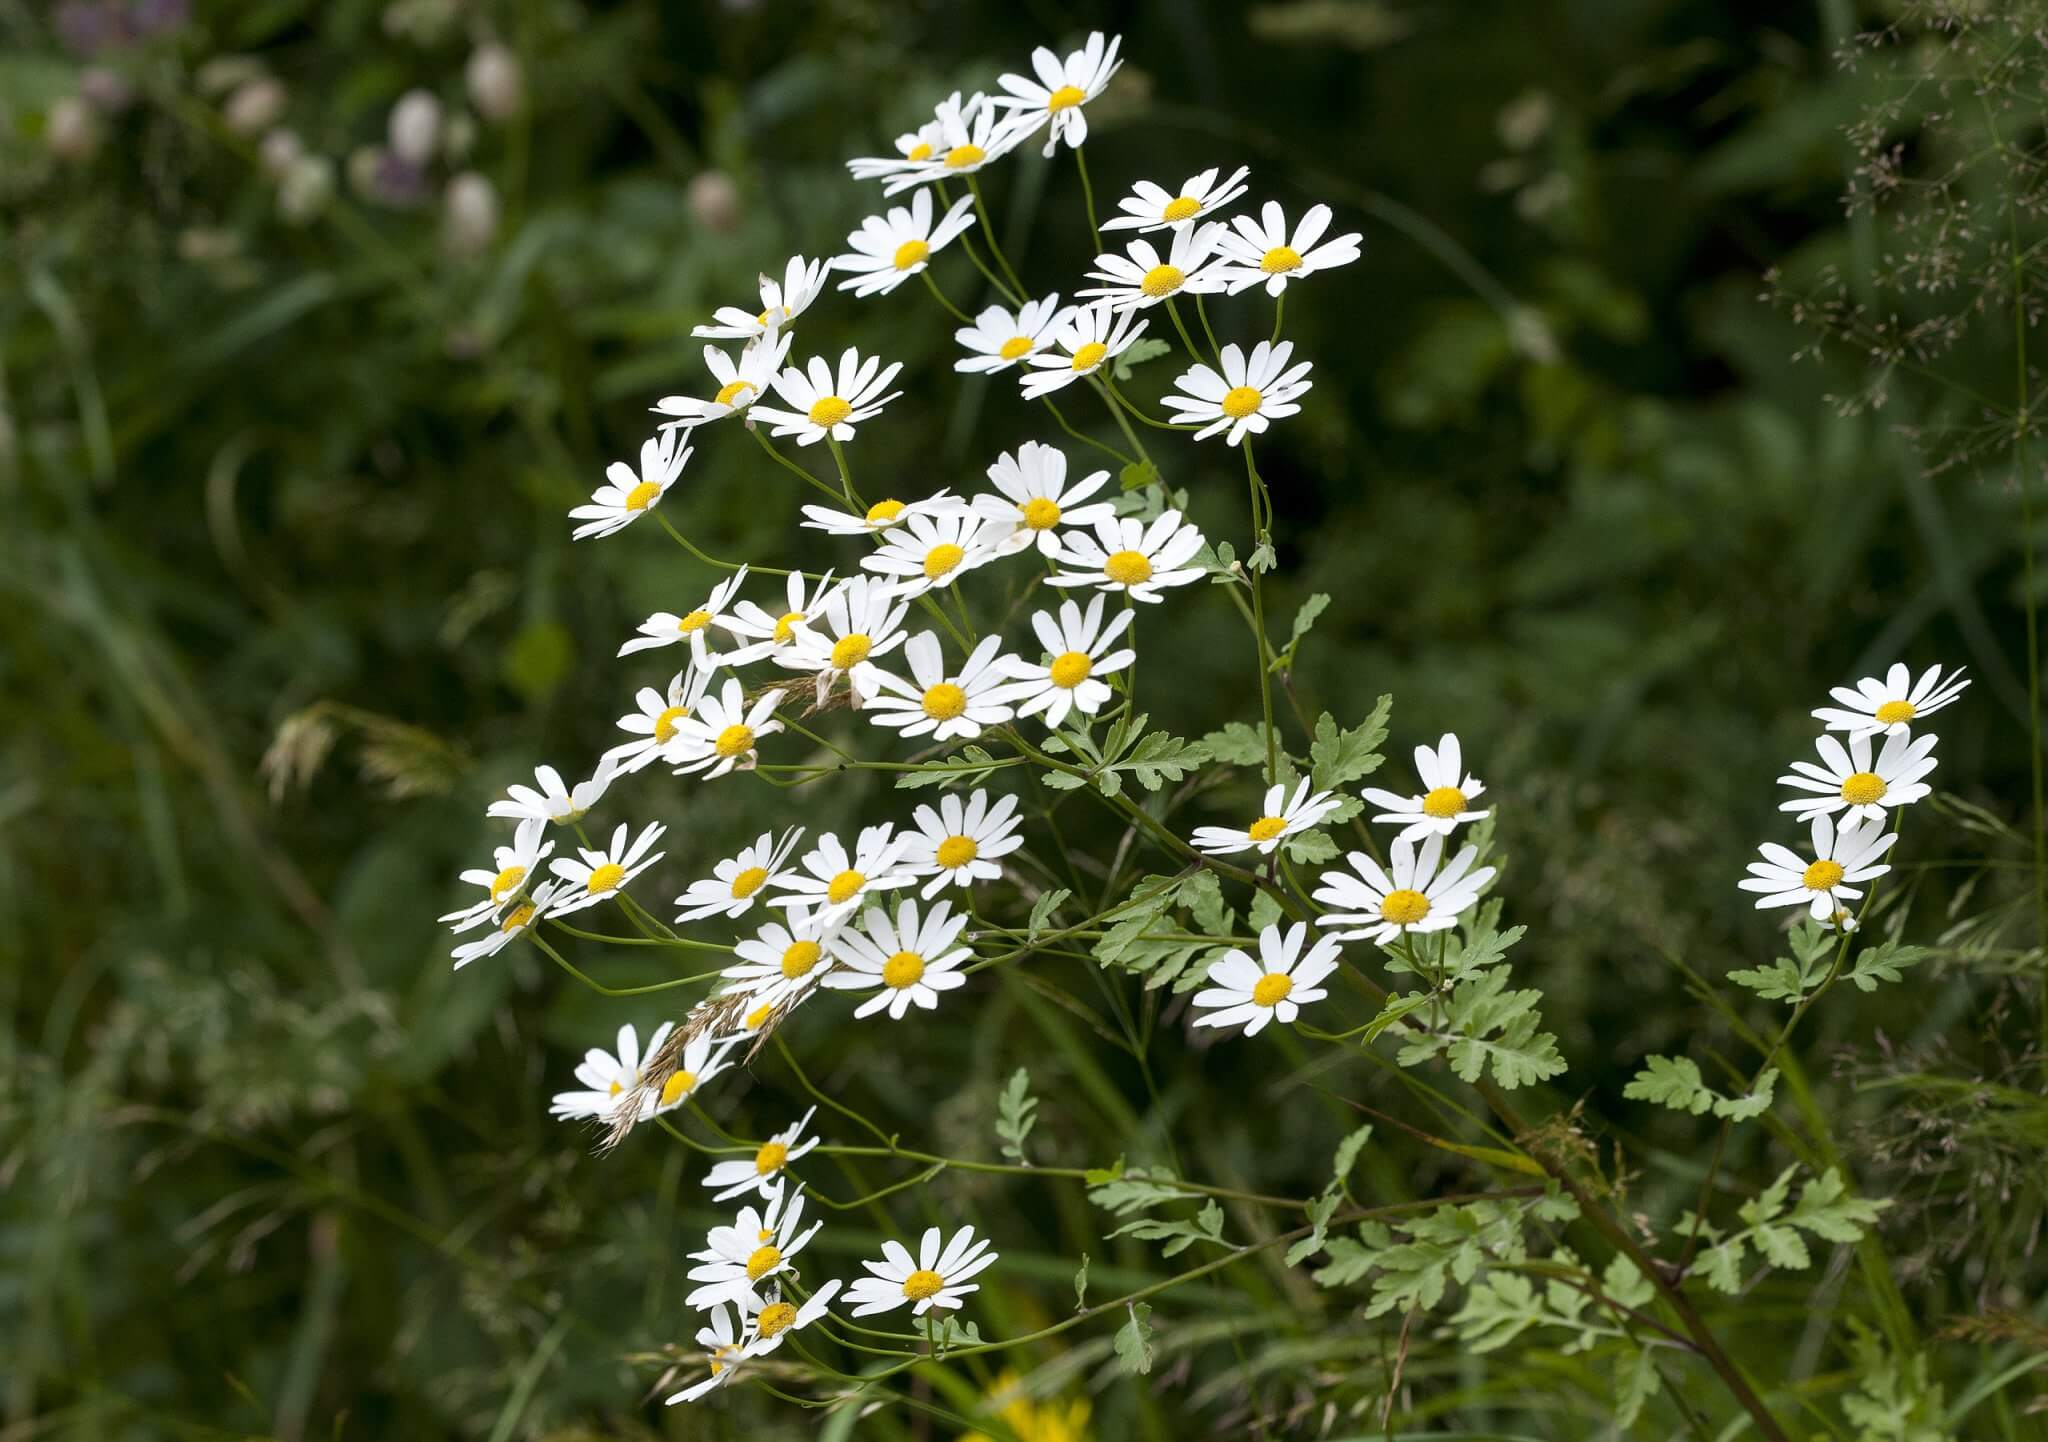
column 415, row 127
column 224, row 72
column 71, row 129
column 108, row 91
column 305, row 188
column 279, row 151
column 364, row 162
column 713, row 200
column 254, row 106
column 469, row 215
column 497, row 86
column 459, row 134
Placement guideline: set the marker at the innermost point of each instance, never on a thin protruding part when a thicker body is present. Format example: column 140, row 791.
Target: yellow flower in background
column 1032, row 1421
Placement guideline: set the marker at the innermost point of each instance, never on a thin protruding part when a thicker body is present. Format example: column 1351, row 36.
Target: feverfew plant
column 1362, row 920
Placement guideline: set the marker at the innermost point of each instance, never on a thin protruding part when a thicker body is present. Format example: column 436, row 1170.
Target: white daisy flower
column 554, row 801
column 930, row 551
column 770, row 1322
column 759, row 1245
column 913, row 148
column 768, row 632
column 740, row 383
column 1280, row 817
column 906, row 962
column 607, row 1077
column 879, row 517
column 1000, row 337
column 666, row 628
column 826, row 405
column 1033, row 499
column 861, row 621
column 1141, row 276
column 936, row 704
column 1127, row 555
column 1416, row 897
column 515, row 923
column 936, row 1277
column 1078, row 647
column 1093, row 336
column 1262, row 252
column 720, row 735
column 654, row 725
column 1890, row 705
column 972, row 134
column 704, row 1057
column 1250, row 394
column 1152, row 207
column 781, row 302
column 1249, row 993
column 1840, row 859
column 835, row 883
column 626, row 496
column 593, row 876
column 959, row 842
column 721, row 1343
column 890, row 248
column 512, row 867
column 778, row 960
column 1447, row 794
column 1057, row 92
column 763, row 1172
column 1846, row 776
column 735, row 883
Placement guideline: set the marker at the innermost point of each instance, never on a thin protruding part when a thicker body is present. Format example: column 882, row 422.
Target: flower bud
column 305, row 188
column 497, row 85
column 254, row 106
column 415, row 127
column 280, row 150
column 71, row 130
column 713, row 200
column 469, row 215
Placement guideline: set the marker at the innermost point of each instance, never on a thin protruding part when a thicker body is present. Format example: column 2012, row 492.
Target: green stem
column 988, row 229
column 940, row 296
column 1088, row 197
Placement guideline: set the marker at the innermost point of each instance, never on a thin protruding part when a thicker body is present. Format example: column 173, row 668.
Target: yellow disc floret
column 1864, row 788
column 956, row 851
column 1404, row 907
column 922, row 1283
column 961, row 156
column 1181, row 207
column 762, row 1261
column 1893, row 712
column 642, row 496
column 665, row 723
column 1128, row 568
column 506, row 882
column 775, row 1319
column 920, row 151
column 1069, row 670
column 850, row 650
column 829, row 411
column 884, row 511
column 605, row 878
column 731, row 391
column 844, row 886
column 679, row 1085
column 1162, row 280
column 905, row 968
column 911, row 252
column 1272, row 988
column 786, row 624
column 799, row 958
column 695, row 621
column 1443, row 802
column 1065, row 98
column 944, row 701
column 770, row 1158
column 1823, row 875
column 1266, row 828
column 1241, row 401
column 758, row 1015
column 1040, row 514
column 519, row 916
column 1089, row 356
column 1016, row 347
column 746, row 883
column 1280, row 259
column 941, row 559
column 734, row 740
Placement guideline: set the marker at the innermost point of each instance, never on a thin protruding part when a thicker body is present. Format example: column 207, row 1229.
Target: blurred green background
column 288, row 431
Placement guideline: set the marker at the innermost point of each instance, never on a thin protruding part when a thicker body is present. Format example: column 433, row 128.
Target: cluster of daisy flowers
column 1863, row 780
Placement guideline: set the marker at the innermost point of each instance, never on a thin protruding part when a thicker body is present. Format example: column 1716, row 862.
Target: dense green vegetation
column 1684, row 377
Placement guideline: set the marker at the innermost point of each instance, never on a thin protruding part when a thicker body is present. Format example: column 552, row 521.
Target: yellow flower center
column 746, row 883
column 799, row 958
column 775, row 1318
column 829, row 411
column 519, row 917
column 1443, row 802
column 731, row 391
column 1823, row 875
column 605, row 878
column 642, row 496
column 786, row 624
column 665, row 723
column 1039, row 513
column 614, row 1089
column 679, row 1085
column 883, row 512
column 1161, row 280
column 944, row 701
column 695, row 621
column 1266, row 828
column 922, row 1283
column 1065, row 98
column 763, row 1261
column 956, row 851
column 770, row 1158
column 1069, row 670
column 843, row 886
column 1241, row 401
column 1404, row 907
column 911, row 252
column 1272, row 989
column 905, row 968
column 961, row 155
column 1015, row 346
column 942, row 558
column 758, row 1015
column 920, row 151
column 1863, row 788
column 1128, row 568
column 850, row 650
column 1090, row 355
column 734, row 741
column 1181, row 208
column 1893, row 712
column 1280, row 259
column 506, row 882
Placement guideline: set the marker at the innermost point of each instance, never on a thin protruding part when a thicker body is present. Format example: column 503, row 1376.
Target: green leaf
column 1486, row 1023
column 1304, row 621
column 1134, row 1340
column 1134, row 1191
column 1136, row 354
column 1138, row 475
column 1081, row 1285
column 1884, row 962
column 1340, row 756
column 1636, row 1381
column 1827, row 1211
column 1041, row 911
column 1673, row 1082
column 948, row 772
column 1237, row 744
column 1310, row 848
column 1179, row 1233
column 1016, row 1112
column 1320, row 1210
column 1784, row 979
column 1347, row 1154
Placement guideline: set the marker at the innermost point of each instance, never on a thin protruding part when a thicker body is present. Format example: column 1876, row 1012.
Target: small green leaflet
column 949, row 771
column 1824, row 1209
column 1153, row 758
column 1016, row 1112
column 1042, row 910
column 1675, row 1082
column 1177, row 1233
column 1884, row 962
column 1137, row 353
column 1487, row 1023
column 1124, row 1192
column 1237, row 744
column 1138, row 475
column 1081, row 1285
column 1320, row 1210
column 1134, row 1340
column 1304, row 621
column 1340, row 755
